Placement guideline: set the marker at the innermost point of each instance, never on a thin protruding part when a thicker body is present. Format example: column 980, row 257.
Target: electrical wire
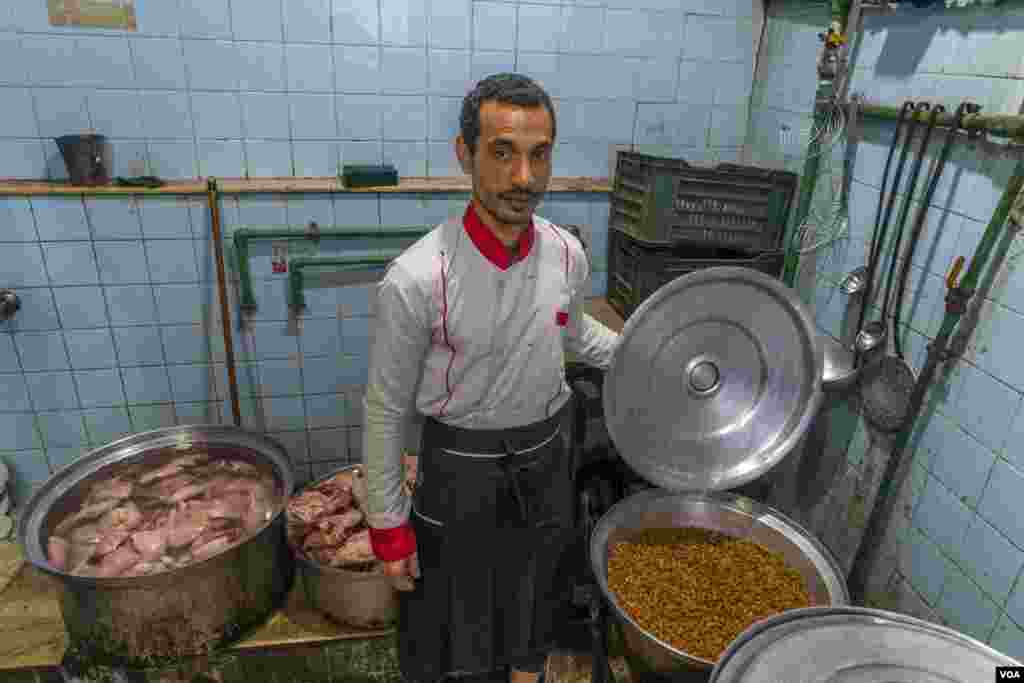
column 828, row 137
column 827, row 219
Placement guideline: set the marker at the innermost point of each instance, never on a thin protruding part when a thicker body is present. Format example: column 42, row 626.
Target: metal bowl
column 722, row 512
column 145, row 621
column 361, row 599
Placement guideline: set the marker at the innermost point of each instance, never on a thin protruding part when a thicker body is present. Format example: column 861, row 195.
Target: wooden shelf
column 36, row 188
column 320, row 185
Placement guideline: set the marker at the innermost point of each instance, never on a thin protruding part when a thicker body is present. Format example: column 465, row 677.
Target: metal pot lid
column 839, row 370
column 855, row 645
column 716, row 378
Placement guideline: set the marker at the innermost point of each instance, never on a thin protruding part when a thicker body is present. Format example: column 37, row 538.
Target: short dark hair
column 509, row 88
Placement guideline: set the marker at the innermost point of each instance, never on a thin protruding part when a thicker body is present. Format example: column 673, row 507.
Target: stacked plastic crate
column 669, row 218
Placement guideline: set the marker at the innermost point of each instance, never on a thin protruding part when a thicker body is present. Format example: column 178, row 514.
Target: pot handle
column 95, row 160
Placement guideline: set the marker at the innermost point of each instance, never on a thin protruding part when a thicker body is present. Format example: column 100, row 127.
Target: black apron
column 493, row 522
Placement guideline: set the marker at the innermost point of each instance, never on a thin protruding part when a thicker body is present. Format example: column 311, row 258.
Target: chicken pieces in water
column 140, row 520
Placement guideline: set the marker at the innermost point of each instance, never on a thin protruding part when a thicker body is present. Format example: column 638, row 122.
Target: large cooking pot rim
column 827, row 566
column 750, row 645
column 30, row 524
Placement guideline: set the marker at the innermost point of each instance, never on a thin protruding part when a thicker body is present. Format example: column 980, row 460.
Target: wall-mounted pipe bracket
column 243, row 236
column 297, row 267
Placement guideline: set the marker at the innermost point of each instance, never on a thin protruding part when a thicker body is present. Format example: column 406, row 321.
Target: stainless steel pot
column 145, row 621
column 856, row 644
column 722, row 512
column 360, row 599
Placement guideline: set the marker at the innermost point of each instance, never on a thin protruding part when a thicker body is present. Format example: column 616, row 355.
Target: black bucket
column 87, row 157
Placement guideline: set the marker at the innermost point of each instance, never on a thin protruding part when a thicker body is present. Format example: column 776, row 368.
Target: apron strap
column 493, row 443
column 512, row 482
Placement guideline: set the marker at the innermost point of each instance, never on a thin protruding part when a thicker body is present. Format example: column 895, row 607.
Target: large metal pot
column 146, row 621
column 715, row 381
column 360, row 599
column 722, row 512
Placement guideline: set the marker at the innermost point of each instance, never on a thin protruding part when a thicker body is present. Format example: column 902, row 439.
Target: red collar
column 493, row 249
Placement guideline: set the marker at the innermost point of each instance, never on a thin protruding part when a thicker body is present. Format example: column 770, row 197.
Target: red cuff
column 393, row 544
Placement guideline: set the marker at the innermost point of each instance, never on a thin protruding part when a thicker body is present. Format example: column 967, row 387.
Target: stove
column 602, row 479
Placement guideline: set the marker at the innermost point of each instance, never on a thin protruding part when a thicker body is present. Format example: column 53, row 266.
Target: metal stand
column 601, row 671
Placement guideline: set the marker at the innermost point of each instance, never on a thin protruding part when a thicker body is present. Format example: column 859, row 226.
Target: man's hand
column 404, row 572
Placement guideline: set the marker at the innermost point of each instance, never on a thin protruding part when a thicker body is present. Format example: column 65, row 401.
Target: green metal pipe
column 808, row 183
column 243, row 236
column 995, row 226
column 296, row 279
column 938, row 352
column 1001, row 125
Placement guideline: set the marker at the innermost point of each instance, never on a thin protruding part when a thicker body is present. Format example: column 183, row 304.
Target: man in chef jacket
column 473, row 322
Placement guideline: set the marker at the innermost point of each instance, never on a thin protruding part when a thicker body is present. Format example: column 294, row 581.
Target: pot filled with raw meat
column 328, row 533
column 165, row 544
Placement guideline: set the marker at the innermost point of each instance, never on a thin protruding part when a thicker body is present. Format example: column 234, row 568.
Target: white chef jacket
column 472, row 333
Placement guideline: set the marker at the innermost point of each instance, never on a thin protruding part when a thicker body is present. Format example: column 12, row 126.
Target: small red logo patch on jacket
column 562, row 318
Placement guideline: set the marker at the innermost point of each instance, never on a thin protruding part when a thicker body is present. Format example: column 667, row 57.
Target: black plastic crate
column 668, row 200
column 638, row 268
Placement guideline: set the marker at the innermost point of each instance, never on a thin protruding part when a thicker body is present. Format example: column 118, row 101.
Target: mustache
column 520, row 196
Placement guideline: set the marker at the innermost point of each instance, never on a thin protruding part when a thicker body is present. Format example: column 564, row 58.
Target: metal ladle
column 855, row 281
column 886, row 389
column 870, row 337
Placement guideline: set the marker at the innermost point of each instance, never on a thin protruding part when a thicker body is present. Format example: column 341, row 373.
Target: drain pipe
column 222, row 288
column 897, row 466
column 849, row 20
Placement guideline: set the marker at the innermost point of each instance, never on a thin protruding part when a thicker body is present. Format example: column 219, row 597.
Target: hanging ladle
column 885, row 390
column 876, row 333
column 871, row 335
column 964, row 109
column 855, row 282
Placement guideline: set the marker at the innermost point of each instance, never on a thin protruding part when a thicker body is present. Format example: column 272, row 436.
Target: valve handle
column 954, row 273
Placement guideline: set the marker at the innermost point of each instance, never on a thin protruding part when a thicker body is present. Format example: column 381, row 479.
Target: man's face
column 512, row 164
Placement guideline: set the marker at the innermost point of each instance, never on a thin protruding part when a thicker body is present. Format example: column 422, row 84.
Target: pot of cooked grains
column 716, row 380
column 685, row 574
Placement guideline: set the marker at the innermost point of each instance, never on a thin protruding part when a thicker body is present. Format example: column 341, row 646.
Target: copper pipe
column 222, row 288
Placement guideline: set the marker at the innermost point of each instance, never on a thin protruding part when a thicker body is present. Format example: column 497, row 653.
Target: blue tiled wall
column 272, row 88
column 120, row 326
column 955, row 548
